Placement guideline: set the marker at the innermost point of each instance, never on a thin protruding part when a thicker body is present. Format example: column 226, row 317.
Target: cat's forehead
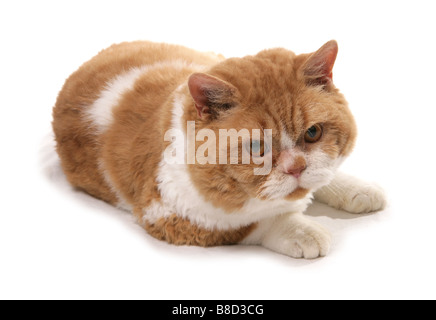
column 270, row 70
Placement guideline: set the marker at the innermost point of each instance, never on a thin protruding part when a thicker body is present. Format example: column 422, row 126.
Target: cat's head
column 312, row 129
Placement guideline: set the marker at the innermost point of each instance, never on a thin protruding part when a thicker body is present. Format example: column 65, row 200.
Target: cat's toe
column 310, row 243
column 367, row 199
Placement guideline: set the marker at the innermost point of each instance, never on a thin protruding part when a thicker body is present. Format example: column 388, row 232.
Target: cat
column 112, row 123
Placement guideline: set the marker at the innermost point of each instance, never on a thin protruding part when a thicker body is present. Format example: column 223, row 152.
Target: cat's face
column 311, row 127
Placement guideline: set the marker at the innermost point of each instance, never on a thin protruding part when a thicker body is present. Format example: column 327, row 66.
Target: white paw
column 298, row 237
column 309, row 242
column 364, row 199
column 351, row 194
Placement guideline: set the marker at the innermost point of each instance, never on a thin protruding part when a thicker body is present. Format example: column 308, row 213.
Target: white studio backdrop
column 59, row 243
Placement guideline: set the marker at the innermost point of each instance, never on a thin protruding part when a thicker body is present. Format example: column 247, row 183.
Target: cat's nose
column 292, row 162
column 296, row 171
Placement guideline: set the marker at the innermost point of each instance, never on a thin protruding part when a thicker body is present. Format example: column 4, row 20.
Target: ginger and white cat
column 112, row 122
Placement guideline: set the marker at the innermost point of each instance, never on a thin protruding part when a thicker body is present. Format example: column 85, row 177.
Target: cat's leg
column 293, row 235
column 352, row 194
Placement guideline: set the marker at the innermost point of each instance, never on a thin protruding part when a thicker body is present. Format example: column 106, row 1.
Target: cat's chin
column 298, row 194
column 284, row 187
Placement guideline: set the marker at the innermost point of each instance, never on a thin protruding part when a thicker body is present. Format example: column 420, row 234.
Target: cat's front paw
column 298, row 237
column 363, row 199
column 353, row 195
column 309, row 242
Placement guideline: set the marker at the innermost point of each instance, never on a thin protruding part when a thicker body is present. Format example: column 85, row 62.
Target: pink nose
column 296, row 171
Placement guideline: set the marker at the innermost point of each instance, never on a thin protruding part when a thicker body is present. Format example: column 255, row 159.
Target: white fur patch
column 179, row 195
column 100, row 112
column 278, row 185
column 122, row 203
column 321, row 169
column 286, row 141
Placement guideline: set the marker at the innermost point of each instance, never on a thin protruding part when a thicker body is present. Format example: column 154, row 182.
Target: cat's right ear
column 211, row 95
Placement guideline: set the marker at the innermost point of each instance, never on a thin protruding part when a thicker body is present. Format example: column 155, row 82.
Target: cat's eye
column 257, row 148
column 313, row 134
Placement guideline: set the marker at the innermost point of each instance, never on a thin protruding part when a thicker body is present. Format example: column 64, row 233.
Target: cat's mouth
column 282, row 186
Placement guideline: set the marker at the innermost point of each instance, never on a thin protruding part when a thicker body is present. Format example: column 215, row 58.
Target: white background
column 59, row 243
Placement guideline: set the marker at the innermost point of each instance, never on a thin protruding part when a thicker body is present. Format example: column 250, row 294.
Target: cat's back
column 131, row 80
column 85, row 85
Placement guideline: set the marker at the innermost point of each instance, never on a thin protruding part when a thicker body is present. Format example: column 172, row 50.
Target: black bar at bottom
column 221, row 309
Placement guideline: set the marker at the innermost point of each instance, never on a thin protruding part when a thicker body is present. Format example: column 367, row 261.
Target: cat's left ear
column 318, row 69
column 211, row 95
